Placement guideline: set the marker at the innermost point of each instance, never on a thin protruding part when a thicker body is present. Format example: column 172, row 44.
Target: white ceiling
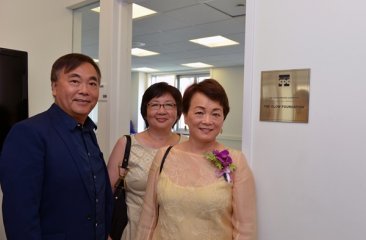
column 169, row 31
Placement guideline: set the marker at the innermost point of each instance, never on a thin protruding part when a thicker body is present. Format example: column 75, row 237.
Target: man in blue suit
column 53, row 176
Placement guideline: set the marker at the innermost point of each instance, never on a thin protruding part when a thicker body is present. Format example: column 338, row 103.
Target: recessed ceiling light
column 145, row 69
column 96, row 9
column 140, row 11
column 142, row 52
column 137, row 11
column 214, row 41
column 197, row 65
column 96, row 60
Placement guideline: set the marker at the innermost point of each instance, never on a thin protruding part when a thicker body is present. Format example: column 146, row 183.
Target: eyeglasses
column 157, row 106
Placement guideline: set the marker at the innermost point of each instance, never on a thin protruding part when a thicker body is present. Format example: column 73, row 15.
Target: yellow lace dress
column 187, row 201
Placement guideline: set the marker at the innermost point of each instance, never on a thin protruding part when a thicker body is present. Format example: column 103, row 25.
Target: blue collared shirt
column 93, row 163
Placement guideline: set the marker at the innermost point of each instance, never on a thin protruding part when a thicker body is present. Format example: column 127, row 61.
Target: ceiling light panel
column 214, row 41
column 139, row 52
column 197, row 65
column 140, row 11
column 145, row 69
column 137, row 11
column 96, row 9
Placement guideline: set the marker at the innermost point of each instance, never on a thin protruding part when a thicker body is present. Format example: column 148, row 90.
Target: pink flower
column 223, row 157
column 223, row 162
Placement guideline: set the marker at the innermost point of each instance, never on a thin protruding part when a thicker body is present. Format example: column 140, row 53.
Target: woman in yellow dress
column 205, row 190
column 161, row 107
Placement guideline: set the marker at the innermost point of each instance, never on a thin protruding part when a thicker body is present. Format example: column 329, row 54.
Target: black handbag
column 119, row 216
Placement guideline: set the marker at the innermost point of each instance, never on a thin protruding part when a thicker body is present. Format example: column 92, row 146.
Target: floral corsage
column 223, row 162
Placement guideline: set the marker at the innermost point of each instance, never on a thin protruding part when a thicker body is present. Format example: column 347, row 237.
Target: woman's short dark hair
column 210, row 88
column 71, row 61
column 158, row 90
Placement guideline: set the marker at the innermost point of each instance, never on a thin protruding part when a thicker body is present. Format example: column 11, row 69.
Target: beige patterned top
column 136, row 178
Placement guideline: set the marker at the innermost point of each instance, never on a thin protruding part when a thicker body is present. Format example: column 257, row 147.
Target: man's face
column 77, row 91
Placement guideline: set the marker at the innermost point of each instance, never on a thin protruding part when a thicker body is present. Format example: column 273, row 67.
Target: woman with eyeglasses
column 203, row 189
column 161, row 108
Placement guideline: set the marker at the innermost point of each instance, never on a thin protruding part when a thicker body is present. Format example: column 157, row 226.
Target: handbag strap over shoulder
column 164, row 157
column 120, row 184
column 127, row 152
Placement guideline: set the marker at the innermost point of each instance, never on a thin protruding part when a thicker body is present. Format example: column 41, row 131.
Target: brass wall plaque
column 285, row 96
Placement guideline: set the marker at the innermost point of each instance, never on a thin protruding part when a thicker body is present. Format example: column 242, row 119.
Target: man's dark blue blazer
column 46, row 194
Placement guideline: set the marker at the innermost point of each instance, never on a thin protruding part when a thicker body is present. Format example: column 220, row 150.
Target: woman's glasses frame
column 157, row 106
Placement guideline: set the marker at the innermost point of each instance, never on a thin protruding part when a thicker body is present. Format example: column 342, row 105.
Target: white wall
column 115, row 39
column 311, row 178
column 231, row 79
column 138, row 87
column 44, row 34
